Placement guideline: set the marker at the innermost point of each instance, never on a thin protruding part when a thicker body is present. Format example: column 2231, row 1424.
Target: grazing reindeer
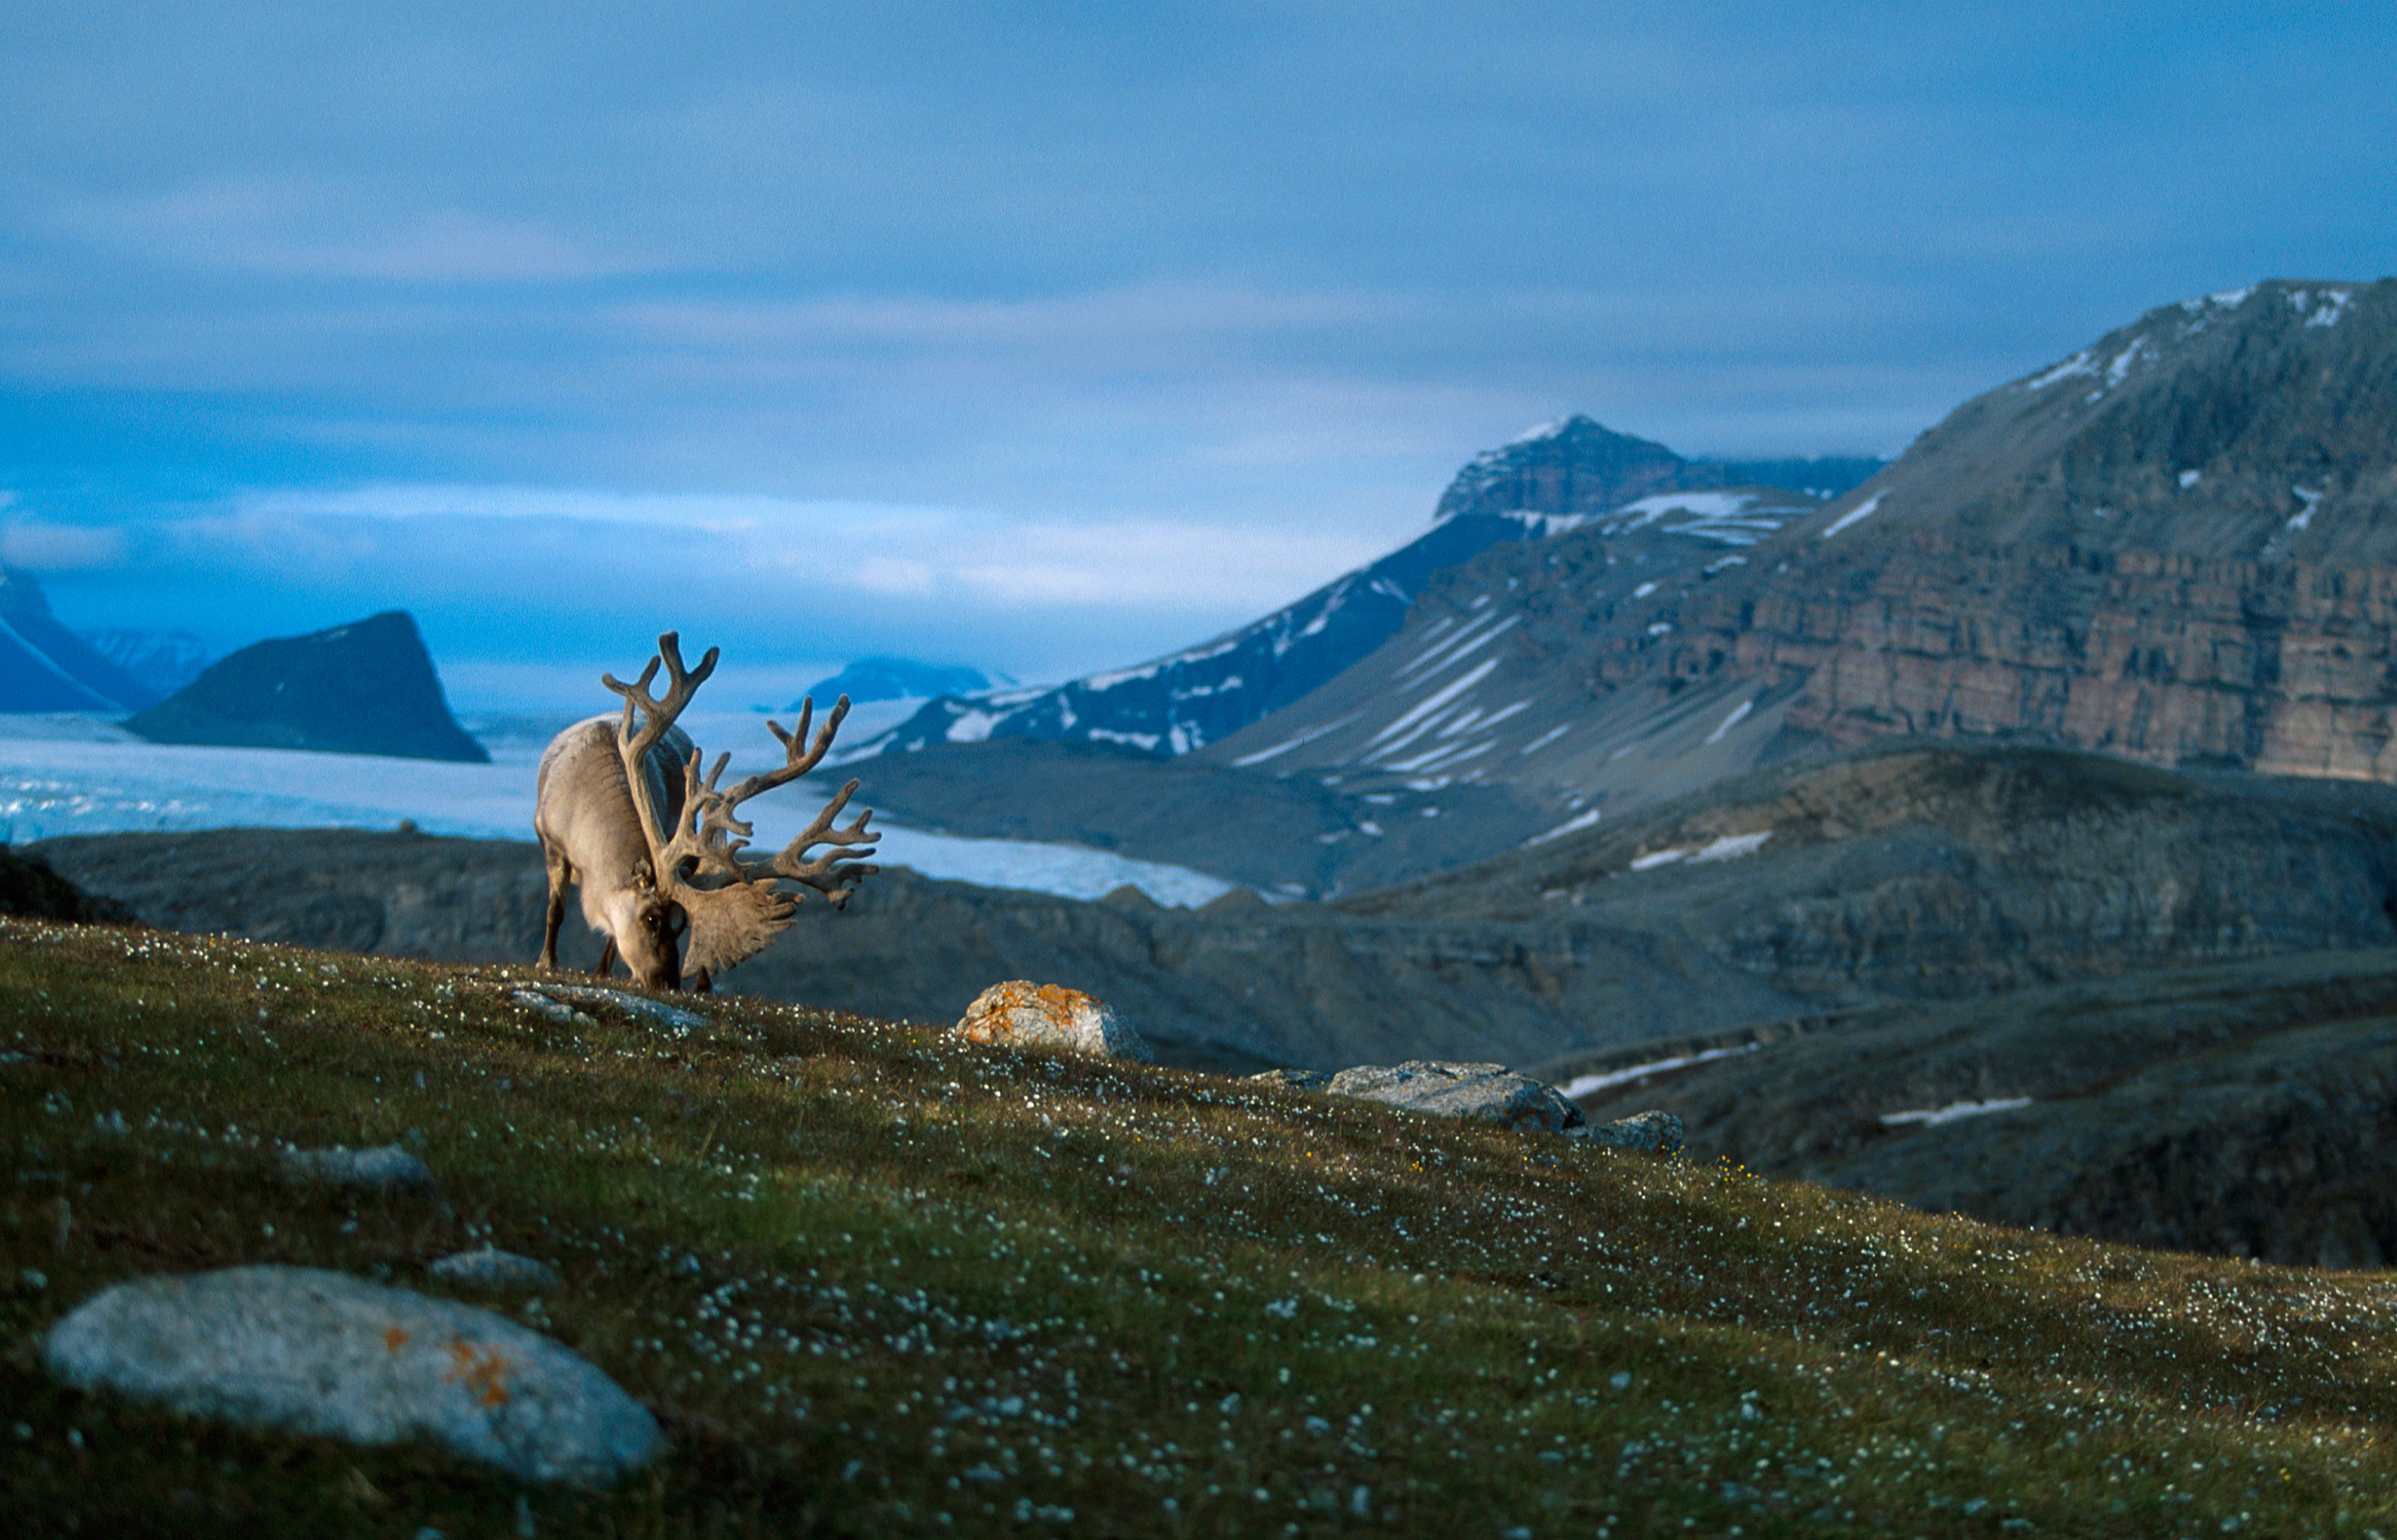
column 621, row 811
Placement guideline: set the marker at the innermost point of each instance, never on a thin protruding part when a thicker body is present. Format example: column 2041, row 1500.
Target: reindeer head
column 651, row 938
column 701, row 877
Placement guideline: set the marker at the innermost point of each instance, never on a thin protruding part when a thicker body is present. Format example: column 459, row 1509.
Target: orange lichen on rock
column 1018, row 1013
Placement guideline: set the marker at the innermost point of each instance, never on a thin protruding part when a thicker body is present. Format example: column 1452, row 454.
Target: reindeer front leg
column 607, row 960
column 560, row 874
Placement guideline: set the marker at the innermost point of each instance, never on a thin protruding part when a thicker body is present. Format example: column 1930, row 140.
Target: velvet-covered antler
column 645, row 721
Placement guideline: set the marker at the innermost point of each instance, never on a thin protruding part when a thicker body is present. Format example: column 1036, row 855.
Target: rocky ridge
column 1546, row 481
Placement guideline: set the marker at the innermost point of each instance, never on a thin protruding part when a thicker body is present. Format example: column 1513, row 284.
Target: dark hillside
column 871, row 1280
column 2249, row 1110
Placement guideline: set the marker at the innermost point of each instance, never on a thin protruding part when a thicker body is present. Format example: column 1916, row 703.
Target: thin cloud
column 292, row 227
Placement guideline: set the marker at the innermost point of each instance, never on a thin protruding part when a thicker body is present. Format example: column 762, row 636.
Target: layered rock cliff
column 2179, row 545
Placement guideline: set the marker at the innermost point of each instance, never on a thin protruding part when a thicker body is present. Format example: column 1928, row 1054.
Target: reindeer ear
column 729, row 925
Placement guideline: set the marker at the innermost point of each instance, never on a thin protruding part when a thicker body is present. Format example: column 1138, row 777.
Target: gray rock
column 385, row 1166
column 557, row 1011
column 1021, row 1014
column 673, row 1019
column 1484, row 1093
column 493, row 1268
column 315, row 1352
column 1295, row 1079
column 1655, row 1132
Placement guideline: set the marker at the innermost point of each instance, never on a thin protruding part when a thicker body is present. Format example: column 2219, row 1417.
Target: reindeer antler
column 645, row 723
column 831, row 874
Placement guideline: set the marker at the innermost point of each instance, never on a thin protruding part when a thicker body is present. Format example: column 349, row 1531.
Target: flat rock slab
column 1481, row 1093
column 304, row 1350
column 387, row 1167
column 1652, row 1132
column 639, row 1007
column 493, row 1268
column 1020, row 1014
column 557, row 1011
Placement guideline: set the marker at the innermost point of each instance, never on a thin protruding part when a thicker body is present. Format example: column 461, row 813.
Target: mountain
column 2179, row 544
column 1546, row 481
column 1577, row 468
column 365, row 688
column 164, row 661
column 895, row 680
column 45, row 667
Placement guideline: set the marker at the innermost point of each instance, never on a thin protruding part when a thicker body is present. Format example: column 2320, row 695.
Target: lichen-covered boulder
column 1652, row 1132
column 309, row 1351
column 1483, row 1093
column 1018, row 1014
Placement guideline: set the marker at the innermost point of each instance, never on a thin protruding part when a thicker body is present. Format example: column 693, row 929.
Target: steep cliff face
column 2179, row 545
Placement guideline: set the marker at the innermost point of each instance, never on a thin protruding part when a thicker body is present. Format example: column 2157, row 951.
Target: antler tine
column 658, row 714
column 668, row 847
column 693, row 838
column 836, row 869
column 798, row 755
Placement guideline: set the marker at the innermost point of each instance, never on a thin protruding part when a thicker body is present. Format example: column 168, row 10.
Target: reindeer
column 623, row 810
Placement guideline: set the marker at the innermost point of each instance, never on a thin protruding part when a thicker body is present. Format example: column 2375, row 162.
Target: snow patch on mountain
column 1861, row 511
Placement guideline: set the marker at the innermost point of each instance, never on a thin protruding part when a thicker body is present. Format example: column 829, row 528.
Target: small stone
column 493, row 1268
column 1018, row 1014
column 1481, row 1093
column 1652, row 1132
column 385, row 1166
column 320, row 1353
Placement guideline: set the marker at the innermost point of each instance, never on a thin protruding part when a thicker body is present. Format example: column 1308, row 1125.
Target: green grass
column 873, row 1281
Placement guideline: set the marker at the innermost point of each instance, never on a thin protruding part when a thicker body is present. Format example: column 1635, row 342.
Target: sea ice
column 78, row 775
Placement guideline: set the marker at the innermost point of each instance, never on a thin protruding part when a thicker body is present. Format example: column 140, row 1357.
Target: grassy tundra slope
column 873, row 1281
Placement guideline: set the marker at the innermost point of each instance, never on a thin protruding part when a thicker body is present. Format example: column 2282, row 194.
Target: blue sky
column 1044, row 337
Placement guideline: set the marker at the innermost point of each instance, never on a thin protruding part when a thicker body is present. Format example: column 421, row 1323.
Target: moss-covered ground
column 873, row 1281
